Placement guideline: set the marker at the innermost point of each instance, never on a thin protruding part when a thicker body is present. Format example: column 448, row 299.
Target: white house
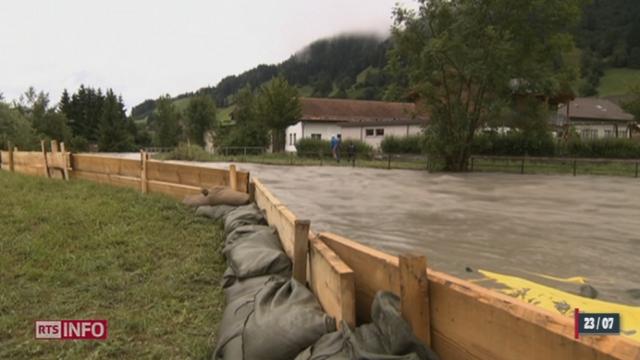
column 595, row 118
column 369, row 121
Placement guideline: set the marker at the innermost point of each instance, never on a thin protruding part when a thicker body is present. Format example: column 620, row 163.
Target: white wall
column 305, row 129
column 293, row 132
column 360, row 133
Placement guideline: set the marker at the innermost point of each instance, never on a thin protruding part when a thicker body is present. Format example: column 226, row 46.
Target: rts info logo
column 71, row 329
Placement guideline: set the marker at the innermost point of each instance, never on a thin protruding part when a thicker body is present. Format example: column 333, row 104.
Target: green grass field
column 78, row 250
column 617, row 82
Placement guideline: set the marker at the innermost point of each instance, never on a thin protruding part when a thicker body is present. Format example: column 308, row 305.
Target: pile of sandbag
column 270, row 316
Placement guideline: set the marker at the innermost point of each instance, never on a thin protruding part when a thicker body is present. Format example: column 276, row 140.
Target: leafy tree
column 279, row 107
column 467, row 58
column 248, row 130
column 167, row 122
column 15, row 128
column 201, row 118
column 633, row 105
column 113, row 130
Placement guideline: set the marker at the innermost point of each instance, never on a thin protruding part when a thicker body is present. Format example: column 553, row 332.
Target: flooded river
column 556, row 226
column 560, row 226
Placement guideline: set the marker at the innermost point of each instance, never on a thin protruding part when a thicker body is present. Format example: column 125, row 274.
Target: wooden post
column 300, row 250
column 414, row 295
column 44, row 157
column 144, row 183
column 54, row 146
column 65, row 162
column 522, row 167
column 11, row 166
column 233, row 177
column 252, row 192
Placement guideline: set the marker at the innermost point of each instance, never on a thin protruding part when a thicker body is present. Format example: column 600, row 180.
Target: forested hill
column 351, row 66
column 347, row 66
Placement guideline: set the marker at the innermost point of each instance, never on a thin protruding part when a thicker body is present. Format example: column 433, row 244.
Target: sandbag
column 243, row 215
column 286, row 319
column 242, row 232
column 231, row 326
column 214, row 212
column 219, row 195
column 257, row 254
column 387, row 337
column 247, row 287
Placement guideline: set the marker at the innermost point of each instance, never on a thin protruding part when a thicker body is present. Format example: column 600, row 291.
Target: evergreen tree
column 167, row 122
column 201, row 118
column 113, row 133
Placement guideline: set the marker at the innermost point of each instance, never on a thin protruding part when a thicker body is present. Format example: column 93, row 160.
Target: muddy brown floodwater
column 561, row 226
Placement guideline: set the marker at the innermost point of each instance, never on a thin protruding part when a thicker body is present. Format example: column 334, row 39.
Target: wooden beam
column 44, row 159
column 233, row 177
column 414, row 295
column 65, row 162
column 332, row 282
column 11, row 164
column 300, row 249
column 54, row 146
column 144, row 183
column 252, row 192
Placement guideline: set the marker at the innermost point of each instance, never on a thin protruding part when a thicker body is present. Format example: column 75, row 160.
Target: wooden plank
column 29, row 170
column 106, row 165
column 27, row 158
column 198, row 176
column 54, row 146
column 471, row 322
column 413, row 291
column 332, row 281
column 176, row 191
column 278, row 216
column 115, row 180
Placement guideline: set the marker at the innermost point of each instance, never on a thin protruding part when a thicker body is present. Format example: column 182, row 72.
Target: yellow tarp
column 564, row 303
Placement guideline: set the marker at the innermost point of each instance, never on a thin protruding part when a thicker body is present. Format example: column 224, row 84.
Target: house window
column 295, row 138
column 369, row 132
column 316, row 136
column 608, row 133
column 622, row 133
column 290, row 139
column 588, row 134
column 380, row 132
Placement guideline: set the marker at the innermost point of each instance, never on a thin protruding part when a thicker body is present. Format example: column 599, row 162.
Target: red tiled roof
column 340, row 110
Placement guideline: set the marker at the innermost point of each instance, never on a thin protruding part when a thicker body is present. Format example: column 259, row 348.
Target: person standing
column 338, row 148
column 334, row 146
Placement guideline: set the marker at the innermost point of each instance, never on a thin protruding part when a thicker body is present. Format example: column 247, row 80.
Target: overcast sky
column 143, row 48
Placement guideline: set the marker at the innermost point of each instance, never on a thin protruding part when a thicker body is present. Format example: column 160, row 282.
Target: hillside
column 348, row 66
column 352, row 66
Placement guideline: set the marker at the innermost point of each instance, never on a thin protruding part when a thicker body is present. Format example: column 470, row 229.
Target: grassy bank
column 78, row 250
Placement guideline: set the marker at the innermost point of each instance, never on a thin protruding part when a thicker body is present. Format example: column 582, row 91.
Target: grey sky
column 145, row 48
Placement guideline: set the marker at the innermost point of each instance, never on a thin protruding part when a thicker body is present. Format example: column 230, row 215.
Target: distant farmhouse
column 368, row 121
column 594, row 118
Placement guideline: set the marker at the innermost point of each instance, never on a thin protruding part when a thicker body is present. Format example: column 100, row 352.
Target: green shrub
column 188, row 153
column 402, row 145
column 363, row 150
column 602, row 148
column 313, row 147
column 514, row 144
column 79, row 144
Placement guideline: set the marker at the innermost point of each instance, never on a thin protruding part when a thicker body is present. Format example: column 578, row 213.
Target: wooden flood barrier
column 467, row 321
column 329, row 278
